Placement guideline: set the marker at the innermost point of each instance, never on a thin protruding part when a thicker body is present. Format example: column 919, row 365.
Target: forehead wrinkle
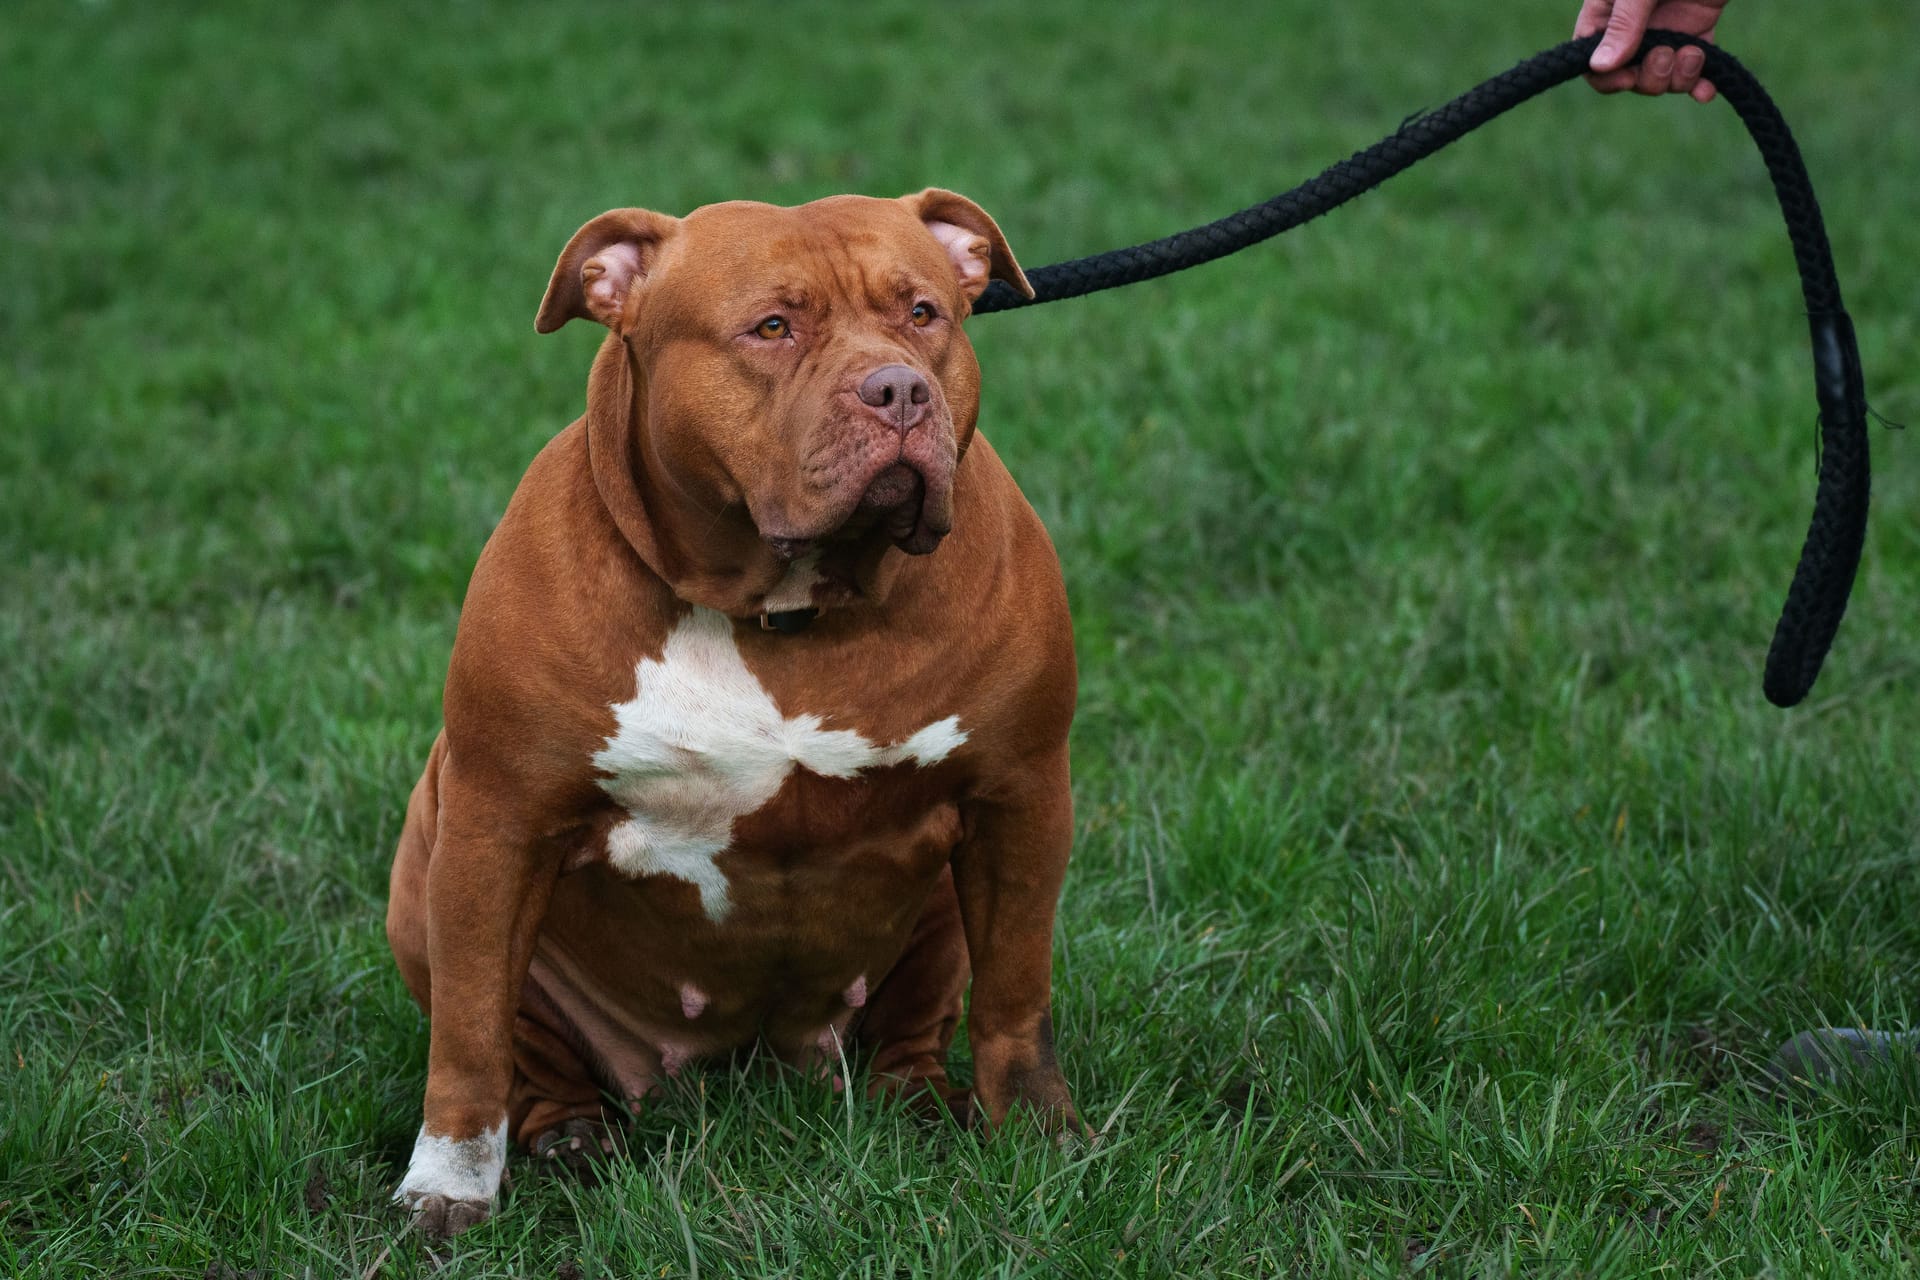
column 809, row 266
column 898, row 284
column 831, row 252
column 792, row 296
column 863, row 266
column 883, row 282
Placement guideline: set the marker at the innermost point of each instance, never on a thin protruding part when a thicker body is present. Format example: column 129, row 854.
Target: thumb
column 1625, row 25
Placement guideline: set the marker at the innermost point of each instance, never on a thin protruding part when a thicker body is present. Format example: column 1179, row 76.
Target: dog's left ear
column 602, row 262
column 971, row 239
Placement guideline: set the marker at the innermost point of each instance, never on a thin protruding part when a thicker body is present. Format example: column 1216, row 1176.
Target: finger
column 1656, row 72
column 1615, row 81
column 1593, row 18
column 1705, row 92
column 1625, row 25
column 1688, row 63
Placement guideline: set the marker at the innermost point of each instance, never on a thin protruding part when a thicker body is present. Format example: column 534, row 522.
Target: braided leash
column 1822, row 580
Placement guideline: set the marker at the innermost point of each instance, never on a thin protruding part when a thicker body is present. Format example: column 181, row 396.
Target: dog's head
column 804, row 363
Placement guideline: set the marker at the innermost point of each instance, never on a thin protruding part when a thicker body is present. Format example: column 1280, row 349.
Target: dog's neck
column 707, row 551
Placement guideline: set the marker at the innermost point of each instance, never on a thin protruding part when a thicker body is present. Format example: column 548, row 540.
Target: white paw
column 450, row 1182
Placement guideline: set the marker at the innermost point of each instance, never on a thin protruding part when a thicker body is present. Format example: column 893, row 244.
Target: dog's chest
column 702, row 744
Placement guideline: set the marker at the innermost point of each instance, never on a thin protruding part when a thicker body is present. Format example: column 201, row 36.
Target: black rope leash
column 1822, row 580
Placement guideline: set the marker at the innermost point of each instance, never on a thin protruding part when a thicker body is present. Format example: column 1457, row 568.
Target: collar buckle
column 788, row 621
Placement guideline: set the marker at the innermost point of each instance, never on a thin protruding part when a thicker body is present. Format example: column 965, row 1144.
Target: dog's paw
column 938, row 1102
column 438, row 1217
column 1079, row 1139
column 451, row 1182
column 959, row 1103
column 578, row 1147
column 923, row 1088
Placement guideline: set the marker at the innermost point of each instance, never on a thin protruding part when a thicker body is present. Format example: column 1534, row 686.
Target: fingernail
column 1605, row 56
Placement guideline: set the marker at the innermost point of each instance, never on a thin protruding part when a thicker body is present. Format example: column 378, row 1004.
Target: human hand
column 1661, row 71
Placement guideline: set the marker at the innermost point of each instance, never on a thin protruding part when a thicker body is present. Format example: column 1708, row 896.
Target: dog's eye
column 772, row 327
column 922, row 314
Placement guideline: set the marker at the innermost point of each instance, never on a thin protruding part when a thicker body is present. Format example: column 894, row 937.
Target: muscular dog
column 756, row 722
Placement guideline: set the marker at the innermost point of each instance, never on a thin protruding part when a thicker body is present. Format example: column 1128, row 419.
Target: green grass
column 1442, row 875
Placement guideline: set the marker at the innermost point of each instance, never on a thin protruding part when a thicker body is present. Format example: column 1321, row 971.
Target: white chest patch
column 701, row 744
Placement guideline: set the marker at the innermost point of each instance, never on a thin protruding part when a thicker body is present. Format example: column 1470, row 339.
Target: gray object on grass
column 1828, row 1055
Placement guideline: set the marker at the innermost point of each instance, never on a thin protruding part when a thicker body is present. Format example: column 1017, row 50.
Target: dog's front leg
column 1008, row 871
column 487, row 890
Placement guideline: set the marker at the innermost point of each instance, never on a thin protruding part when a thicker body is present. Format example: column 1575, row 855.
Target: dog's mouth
column 894, row 504
column 897, row 487
column 896, row 500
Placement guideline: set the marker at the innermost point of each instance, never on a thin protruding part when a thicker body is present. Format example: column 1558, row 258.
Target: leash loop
column 1830, row 557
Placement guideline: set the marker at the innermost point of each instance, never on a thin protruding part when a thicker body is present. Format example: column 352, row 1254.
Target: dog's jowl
column 756, row 723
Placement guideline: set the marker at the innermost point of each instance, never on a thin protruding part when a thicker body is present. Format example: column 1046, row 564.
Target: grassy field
column 1442, row 878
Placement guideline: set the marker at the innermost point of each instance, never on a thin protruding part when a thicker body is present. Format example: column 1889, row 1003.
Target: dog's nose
column 897, row 394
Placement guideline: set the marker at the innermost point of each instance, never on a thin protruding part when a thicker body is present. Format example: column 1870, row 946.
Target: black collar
column 788, row 621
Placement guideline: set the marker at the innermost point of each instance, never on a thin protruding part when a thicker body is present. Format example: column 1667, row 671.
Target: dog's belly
column 755, row 873
column 824, row 886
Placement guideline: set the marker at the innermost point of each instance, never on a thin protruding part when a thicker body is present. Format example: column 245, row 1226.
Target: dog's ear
column 971, row 239
column 600, row 264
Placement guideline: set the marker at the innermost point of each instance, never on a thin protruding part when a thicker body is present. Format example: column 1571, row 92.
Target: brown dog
column 756, row 725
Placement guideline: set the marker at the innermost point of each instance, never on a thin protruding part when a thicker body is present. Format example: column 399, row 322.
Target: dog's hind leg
column 910, row 1017
column 556, row 1109
column 407, row 886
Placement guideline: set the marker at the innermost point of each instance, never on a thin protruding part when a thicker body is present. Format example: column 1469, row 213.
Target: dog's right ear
column 600, row 264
